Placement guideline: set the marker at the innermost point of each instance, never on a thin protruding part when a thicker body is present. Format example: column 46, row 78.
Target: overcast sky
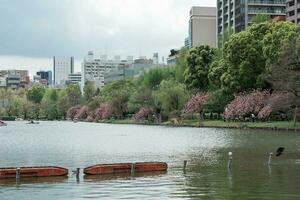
column 33, row 31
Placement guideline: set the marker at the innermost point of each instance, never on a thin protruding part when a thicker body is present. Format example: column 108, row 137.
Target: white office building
column 202, row 27
column 75, row 78
column 62, row 67
column 96, row 69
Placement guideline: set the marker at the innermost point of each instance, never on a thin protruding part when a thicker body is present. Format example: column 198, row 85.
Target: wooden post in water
column 77, row 172
column 132, row 168
column 18, row 173
column 229, row 160
column 270, row 159
column 184, row 165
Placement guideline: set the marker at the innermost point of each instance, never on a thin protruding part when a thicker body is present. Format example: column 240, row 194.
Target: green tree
column 181, row 65
column 73, row 95
column 89, row 91
column 36, row 93
column 260, row 18
column 198, row 62
column 171, row 96
column 118, row 94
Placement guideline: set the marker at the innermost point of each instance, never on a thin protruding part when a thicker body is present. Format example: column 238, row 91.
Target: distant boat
column 46, row 171
column 125, row 168
column 3, row 123
column 33, row 122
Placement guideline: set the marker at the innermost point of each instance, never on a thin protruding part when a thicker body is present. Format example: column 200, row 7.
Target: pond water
column 73, row 145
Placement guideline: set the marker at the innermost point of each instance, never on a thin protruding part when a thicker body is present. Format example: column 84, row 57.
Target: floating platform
column 102, row 169
column 47, row 171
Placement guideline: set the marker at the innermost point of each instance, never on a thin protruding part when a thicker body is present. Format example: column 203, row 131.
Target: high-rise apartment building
column 237, row 14
column 202, row 27
column 293, row 11
column 62, row 67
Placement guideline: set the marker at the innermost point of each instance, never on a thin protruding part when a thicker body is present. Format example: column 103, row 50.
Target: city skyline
column 61, row 28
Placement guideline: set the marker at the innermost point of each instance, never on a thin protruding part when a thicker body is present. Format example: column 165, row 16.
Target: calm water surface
column 73, row 145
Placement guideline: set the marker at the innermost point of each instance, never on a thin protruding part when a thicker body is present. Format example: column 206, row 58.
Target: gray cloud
column 43, row 28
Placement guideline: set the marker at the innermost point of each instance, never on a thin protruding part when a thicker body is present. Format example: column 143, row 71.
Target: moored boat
column 125, row 168
column 2, row 123
column 46, row 171
column 33, row 122
column 150, row 166
column 108, row 169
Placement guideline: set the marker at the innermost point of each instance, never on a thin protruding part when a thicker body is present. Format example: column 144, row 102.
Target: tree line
column 255, row 73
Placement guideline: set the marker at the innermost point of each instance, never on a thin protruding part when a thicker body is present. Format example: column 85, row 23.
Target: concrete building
column 14, row 78
column 46, row 76
column 13, row 81
column 95, row 69
column 155, row 59
column 237, row 14
column 293, row 11
column 74, row 78
column 202, row 27
column 62, row 67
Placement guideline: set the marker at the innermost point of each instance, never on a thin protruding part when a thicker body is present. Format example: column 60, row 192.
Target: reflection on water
column 73, row 145
column 8, row 182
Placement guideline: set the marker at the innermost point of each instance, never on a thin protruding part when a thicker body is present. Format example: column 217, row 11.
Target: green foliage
column 276, row 36
column 89, row 90
column 118, row 94
column 198, row 62
column 139, row 98
column 260, row 18
column 153, row 77
column 172, row 97
column 181, row 65
column 217, row 101
column 36, row 93
column 285, row 72
column 73, row 95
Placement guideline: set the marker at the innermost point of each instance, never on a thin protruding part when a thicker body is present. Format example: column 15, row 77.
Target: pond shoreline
column 219, row 124
column 275, row 126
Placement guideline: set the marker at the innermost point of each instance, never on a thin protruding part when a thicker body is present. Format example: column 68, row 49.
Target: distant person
column 253, row 117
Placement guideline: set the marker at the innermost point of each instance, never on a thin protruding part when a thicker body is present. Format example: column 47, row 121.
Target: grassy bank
column 274, row 125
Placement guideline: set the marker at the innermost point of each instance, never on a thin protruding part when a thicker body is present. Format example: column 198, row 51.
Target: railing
column 267, row 1
column 266, row 10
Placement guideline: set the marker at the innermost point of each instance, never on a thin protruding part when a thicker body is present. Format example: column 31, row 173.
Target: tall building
column 237, row 14
column 62, row 67
column 202, row 27
column 45, row 75
column 155, row 59
column 95, row 69
column 74, row 78
column 293, row 11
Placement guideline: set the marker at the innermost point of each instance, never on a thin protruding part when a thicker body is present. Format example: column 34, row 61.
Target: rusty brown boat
column 125, row 168
column 46, row 171
column 108, row 169
column 150, row 166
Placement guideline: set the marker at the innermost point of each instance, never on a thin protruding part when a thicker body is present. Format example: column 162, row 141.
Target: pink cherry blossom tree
column 145, row 113
column 71, row 113
column 196, row 104
column 246, row 104
column 105, row 111
column 82, row 113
